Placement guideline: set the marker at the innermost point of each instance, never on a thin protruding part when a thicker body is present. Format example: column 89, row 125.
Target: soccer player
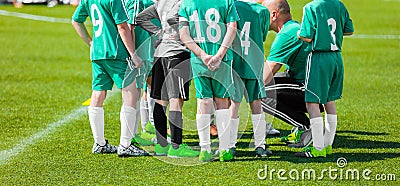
column 112, row 53
column 207, row 28
column 171, row 76
column 248, row 63
column 285, row 95
column 325, row 22
column 145, row 50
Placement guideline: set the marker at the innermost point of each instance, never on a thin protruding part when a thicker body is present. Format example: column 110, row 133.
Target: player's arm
column 308, row 40
column 214, row 63
column 82, row 32
column 270, row 70
column 129, row 41
column 143, row 19
column 184, row 34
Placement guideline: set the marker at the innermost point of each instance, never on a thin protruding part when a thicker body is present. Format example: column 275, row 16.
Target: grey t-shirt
column 167, row 12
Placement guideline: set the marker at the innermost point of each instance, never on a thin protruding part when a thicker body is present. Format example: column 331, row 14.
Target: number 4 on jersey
column 245, row 42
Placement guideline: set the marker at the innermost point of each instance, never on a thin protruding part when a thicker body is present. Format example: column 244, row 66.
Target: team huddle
column 217, row 46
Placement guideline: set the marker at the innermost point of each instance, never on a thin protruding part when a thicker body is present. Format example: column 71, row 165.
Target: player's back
column 207, row 22
column 105, row 15
column 332, row 20
column 248, row 46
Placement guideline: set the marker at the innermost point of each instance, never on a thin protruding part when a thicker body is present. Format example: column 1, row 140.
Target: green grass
column 46, row 74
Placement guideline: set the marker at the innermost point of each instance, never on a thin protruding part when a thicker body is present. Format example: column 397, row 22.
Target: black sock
column 175, row 125
column 160, row 123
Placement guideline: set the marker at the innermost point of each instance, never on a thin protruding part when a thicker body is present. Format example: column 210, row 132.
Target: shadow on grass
column 288, row 156
column 344, row 139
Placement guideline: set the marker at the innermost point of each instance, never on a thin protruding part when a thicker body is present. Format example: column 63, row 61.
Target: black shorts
column 171, row 77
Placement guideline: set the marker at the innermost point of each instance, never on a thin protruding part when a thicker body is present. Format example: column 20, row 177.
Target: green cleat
column 225, row 156
column 161, row 151
column 311, row 152
column 293, row 137
column 138, row 141
column 183, row 151
column 328, row 150
column 150, row 128
column 205, row 156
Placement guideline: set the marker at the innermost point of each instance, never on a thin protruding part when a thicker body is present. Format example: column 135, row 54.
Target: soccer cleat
column 260, row 152
column 183, row 151
column 328, row 150
column 270, row 130
column 138, row 141
column 225, row 155
column 293, row 137
column 150, row 128
column 213, row 130
column 131, row 150
column 205, row 156
column 311, row 152
column 233, row 151
column 161, row 151
column 146, row 135
column 105, row 149
column 304, row 140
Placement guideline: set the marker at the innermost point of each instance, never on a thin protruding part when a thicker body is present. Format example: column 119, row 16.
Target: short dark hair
column 283, row 6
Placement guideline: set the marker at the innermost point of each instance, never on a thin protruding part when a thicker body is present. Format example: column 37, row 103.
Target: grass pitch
column 45, row 136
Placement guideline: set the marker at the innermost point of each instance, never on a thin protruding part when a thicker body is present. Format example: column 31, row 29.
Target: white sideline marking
column 35, row 17
column 20, row 147
column 7, row 154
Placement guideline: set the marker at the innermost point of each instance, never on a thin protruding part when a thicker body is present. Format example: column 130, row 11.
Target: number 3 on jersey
column 332, row 23
column 97, row 22
column 212, row 25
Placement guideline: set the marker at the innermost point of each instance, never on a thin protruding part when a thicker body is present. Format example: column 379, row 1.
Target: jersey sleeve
column 232, row 14
column 282, row 48
column 308, row 27
column 266, row 24
column 183, row 15
column 348, row 24
column 119, row 12
column 81, row 13
column 133, row 7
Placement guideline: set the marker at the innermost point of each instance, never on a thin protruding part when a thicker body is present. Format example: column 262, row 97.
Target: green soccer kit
column 325, row 21
column 207, row 24
column 248, row 49
column 107, row 46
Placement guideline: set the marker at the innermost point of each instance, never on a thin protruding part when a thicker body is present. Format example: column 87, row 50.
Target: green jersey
column 105, row 16
column 288, row 50
column 143, row 40
column 207, row 23
column 248, row 46
column 325, row 21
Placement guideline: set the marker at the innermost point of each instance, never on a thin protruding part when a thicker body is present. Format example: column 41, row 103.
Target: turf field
column 45, row 136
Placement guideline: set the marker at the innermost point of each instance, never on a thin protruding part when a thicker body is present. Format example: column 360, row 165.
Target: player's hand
column 214, row 63
column 206, row 59
column 134, row 62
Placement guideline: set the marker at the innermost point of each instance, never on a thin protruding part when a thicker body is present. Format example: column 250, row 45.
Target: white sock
column 144, row 113
column 259, row 127
column 330, row 129
column 137, row 111
column 128, row 118
column 150, row 105
column 222, row 118
column 317, row 131
column 234, row 125
column 96, row 119
column 203, row 129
